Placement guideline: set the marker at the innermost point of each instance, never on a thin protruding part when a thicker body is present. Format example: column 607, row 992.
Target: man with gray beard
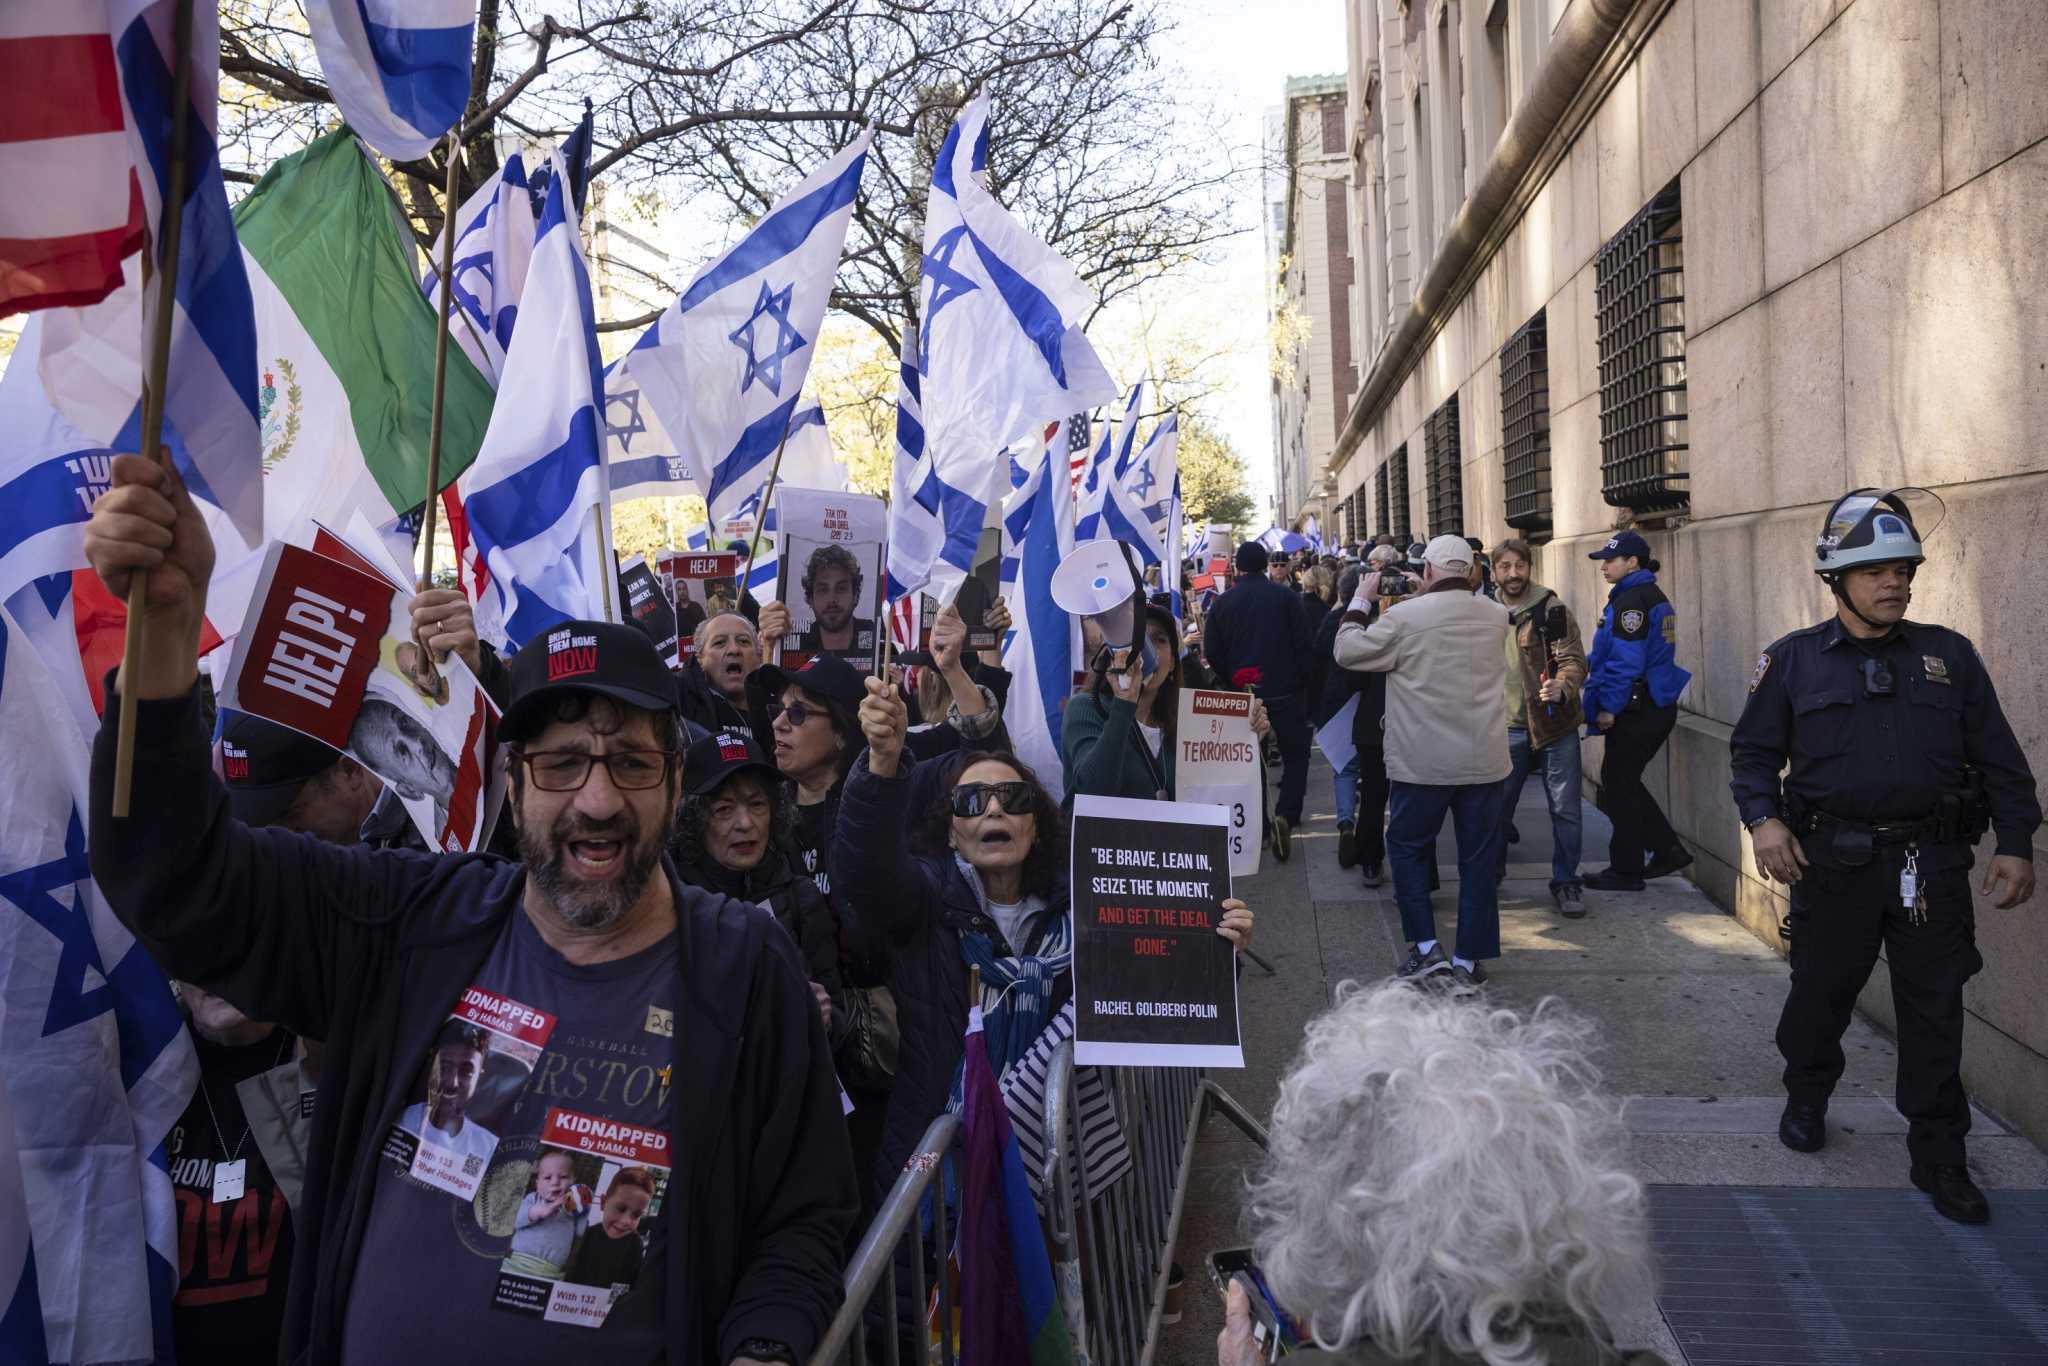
column 658, row 1045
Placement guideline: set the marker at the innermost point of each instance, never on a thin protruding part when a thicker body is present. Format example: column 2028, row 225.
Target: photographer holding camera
column 1444, row 652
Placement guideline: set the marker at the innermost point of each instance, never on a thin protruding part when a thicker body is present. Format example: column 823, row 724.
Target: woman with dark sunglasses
column 976, row 878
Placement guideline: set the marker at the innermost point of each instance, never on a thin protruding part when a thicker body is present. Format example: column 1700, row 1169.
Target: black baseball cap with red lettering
column 263, row 766
column 613, row 660
column 722, row 755
column 826, row 676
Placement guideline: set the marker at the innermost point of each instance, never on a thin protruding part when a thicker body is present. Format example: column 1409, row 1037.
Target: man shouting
column 560, row 1004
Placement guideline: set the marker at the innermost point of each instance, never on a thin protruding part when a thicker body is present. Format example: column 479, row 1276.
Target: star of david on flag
column 783, row 341
column 722, row 368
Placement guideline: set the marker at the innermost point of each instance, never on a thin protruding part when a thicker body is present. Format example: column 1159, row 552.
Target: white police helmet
column 1875, row 526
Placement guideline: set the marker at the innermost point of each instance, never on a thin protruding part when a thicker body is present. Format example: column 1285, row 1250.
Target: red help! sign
column 699, row 566
column 312, row 643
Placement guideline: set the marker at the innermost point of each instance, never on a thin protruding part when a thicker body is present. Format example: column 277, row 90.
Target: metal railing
column 873, row 1321
column 1111, row 1250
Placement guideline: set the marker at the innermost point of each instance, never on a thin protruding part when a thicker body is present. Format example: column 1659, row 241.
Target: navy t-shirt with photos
column 497, row 1258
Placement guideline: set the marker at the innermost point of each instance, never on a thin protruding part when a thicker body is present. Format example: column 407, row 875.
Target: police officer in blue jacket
column 1631, row 697
column 1900, row 760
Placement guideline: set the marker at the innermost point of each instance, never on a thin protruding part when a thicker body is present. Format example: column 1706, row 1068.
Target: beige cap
column 1448, row 552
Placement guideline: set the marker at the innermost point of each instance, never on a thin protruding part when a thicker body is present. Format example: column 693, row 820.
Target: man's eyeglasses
column 971, row 799
column 567, row 770
column 797, row 712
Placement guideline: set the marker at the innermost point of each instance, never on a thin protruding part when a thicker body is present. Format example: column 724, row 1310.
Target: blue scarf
column 1016, row 990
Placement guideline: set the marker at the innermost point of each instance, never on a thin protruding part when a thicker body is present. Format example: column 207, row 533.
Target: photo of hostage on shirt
column 580, row 1235
column 480, row 1062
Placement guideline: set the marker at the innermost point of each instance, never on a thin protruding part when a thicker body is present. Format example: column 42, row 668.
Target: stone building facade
column 1701, row 266
column 1309, row 238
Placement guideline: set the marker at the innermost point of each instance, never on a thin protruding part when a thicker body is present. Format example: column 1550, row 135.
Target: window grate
column 1525, row 426
column 1444, row 471
column 1381, row 501
column 1396, row 473
column 1640, row 290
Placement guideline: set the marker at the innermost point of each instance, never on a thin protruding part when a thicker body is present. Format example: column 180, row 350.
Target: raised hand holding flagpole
column 156, row 376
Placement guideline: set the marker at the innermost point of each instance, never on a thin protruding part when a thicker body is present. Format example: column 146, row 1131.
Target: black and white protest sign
column 1154, row 984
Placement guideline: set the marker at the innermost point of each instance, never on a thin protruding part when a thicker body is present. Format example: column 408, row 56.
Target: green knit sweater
column 1099, row 750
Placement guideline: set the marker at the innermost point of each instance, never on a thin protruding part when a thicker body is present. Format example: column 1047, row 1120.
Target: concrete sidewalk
column 1687, row 1002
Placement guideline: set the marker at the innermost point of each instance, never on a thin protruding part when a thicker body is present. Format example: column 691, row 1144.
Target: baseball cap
column 1620, row 544
column 617, row 661
column 826, row 676
column 1448, row 552
column 719, row 756
column 264, row 765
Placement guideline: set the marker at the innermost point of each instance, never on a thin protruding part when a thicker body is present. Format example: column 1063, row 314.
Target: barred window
column 1640, row 291
column 1443, row 469
column 1394, row 473
column 1525, row 426
column 1380, row 500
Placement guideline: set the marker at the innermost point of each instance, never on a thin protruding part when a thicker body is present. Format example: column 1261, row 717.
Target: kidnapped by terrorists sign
column 1154, row 984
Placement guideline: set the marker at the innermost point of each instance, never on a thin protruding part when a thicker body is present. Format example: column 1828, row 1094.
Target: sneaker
column 1347, row 844
column 1419, row 965
column 1668, row 862
column 1467, row 979
column 1283, row 839
column 1373, row 874
column 1570, row 899
column 1607, row 880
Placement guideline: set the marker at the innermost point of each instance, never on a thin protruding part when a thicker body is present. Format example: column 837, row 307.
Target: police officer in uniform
column 1900, row 759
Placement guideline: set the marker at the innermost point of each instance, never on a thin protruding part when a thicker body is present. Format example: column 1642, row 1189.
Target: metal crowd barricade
column 1119, row 1243
column 1112, row 1250
column 876, row 1319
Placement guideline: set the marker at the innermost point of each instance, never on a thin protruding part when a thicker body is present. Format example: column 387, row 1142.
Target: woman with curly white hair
column 1446, row 1183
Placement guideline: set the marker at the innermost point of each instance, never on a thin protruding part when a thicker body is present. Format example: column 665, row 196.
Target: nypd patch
column 1632, row 622
column 1763, row 666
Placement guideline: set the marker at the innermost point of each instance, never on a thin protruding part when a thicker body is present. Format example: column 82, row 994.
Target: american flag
column 76, row 206
column 1077, row 446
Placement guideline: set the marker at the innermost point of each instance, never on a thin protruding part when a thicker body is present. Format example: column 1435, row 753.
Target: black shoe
column 1514, row 835
column 1804, row 1128
column 1471, row 979
column 1955, row 1195
column 1607, row 880
column 1571, row 900
column 1283, row 839
column 1347, row 844
column 1419, row 965
column 1373, row 876
column 1668, row 862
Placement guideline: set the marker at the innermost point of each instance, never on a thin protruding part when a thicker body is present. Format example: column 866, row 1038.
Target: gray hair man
column 1444, row 651
column 1481, row 1209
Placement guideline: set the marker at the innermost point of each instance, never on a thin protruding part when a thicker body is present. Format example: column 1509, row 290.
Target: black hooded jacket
column 368, row 949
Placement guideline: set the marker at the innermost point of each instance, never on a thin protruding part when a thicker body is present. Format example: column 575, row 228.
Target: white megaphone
column 1099, row 582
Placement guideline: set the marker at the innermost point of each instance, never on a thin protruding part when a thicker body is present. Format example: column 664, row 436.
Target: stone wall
column 1865, row 201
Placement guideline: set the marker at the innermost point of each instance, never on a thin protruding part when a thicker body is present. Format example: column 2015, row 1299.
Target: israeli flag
column 539, row 476
column 1176, row 552
column 95, row 1063
column 399, row 69
column 91, row 359
column 494, row 235
column 723, row 367
column 1154, row 477
column 1106, row 468
column 1312, row 533
column 1038, row 519
column 999, row 353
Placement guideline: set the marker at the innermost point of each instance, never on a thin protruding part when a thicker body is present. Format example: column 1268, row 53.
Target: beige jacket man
column 1444, row 652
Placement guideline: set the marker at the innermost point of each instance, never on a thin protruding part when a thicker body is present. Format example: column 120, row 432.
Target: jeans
column 1346, row 786
column 1290, row 730
column 1559, row 763
column 1639, row 823
column 1372, row 805
column 1418, row 815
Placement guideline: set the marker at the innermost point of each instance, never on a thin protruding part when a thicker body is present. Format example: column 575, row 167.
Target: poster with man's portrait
column 830, row 575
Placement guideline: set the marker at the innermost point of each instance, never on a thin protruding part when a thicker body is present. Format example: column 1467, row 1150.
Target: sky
column 1245, row 51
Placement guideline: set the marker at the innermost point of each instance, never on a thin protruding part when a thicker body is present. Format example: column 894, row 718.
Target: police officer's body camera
column 1900, row 760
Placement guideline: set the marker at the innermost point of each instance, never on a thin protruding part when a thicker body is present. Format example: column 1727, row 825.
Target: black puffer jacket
column 913, row 908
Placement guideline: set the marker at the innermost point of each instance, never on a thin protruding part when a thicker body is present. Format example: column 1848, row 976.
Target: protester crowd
column 737, row 915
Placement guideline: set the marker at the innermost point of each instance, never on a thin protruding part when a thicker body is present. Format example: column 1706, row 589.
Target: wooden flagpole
column 171, row 226
column 447, row 285
column 767, row 495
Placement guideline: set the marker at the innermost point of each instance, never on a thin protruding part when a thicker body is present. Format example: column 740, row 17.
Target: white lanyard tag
column 229, row 1179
